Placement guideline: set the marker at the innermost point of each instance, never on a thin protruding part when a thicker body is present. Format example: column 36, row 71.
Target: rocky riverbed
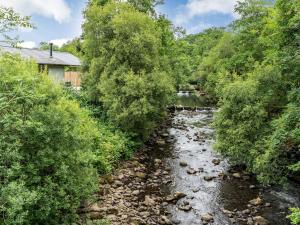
column 177, row 178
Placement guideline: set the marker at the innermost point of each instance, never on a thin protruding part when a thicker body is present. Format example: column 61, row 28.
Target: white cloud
column 195, row 8
column 27, row 44
column 59, row 42
column 57, row 9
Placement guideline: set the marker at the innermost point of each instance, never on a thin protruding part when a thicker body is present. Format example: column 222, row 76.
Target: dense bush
column 281, row 154
column 46, row 148
column 50, row 148
column 244, row 116
column 295, row 216
column 251, row 71
column 124, row 71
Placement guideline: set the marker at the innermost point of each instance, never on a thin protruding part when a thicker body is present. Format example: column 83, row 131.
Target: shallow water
column 190, row 99
column 191, row 140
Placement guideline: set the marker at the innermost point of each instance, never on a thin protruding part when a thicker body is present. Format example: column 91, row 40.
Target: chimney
column 51, row 50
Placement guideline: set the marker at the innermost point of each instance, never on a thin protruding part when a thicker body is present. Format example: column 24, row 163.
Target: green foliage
column 250, row 71
column 10, row 21
column 295, row 216
column 139, row 102
column 74, row 47
column 50, row 148
column 190, row 51
column 217, row 62
column 123, row 52
column 47, row 144
column 282, row 154
column 46, row 46
column 145, row 6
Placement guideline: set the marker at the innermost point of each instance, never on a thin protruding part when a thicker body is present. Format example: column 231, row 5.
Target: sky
column 58, row 21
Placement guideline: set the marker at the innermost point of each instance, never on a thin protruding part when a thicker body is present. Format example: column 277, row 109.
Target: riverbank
column 177, row 178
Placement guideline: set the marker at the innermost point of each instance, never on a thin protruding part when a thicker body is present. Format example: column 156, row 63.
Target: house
column 63, row 67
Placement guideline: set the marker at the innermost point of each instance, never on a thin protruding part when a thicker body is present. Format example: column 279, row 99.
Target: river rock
column 257, row 201
column 149, row 201
column 216, row 161
column 157, row 161
column 112, row 210
column 175, row 221
column 207, row 218
column 259, row 220
column 93, row 208
column 118, row 183
column 227, row 212
column 237, row 175
column 161, row 142
column 183, row 163
column 250, row 221
column 165, row 220
column 140, row 175
column 165, row 135
column 246, row 211
column 175, row 197
column 209, row 178
column 185, row 208
column 195, row 190
column 191, row 171
column 136, row 192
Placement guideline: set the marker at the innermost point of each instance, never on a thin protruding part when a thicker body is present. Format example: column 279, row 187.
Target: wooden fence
column 73, row 77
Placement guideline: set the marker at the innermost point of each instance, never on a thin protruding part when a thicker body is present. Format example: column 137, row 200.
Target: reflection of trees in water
column 190, row 100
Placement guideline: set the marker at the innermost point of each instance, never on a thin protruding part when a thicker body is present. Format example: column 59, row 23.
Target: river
column 191, row 140
column 178, row 178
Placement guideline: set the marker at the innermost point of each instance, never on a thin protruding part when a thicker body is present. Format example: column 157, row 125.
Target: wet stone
column 185, row 208
column 191, row 171
column 209, row 178
column 207, row 218
column 175, row 197
column 216, row 161
column 256, row 201
column 183, row 163
column 237, row 175
column 268, row 204
column 259, row 220
column 195, row 190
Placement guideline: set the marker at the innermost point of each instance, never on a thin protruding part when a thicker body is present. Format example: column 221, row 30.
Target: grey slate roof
column 43, row 56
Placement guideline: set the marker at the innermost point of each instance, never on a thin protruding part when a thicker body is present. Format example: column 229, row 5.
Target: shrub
column 48, row 146
column 281, row 156
column 295, row 216
column 246, row 108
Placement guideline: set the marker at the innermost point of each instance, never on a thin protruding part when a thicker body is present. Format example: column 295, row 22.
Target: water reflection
column 193, row 143
column 190, row 99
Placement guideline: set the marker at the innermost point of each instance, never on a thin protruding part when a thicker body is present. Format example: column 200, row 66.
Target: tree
column 74, row 47
column 122, row 57
column 146, row 6
column 9, row 21
column 45, row 46
column 46, row 148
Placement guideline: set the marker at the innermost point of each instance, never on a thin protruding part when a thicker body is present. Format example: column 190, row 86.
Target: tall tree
column 146, row 6
column 123, row 61
column 10, row 21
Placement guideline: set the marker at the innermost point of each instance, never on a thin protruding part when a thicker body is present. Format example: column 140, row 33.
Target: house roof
column 43, row 56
